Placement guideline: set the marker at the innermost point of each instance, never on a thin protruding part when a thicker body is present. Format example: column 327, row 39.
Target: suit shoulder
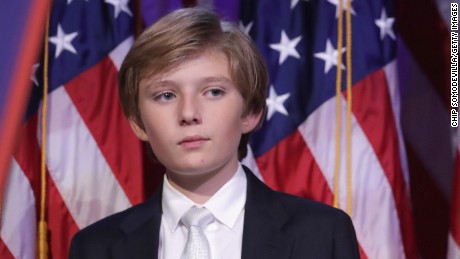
column 321, row 226
column 103, row 227
column 106, row 228
column 296, row 207
column 303, row 207
column 97, row 239
column 307, row 217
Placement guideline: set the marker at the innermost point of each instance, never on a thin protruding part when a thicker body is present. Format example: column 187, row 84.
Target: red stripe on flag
column 430, row 47
column 362, row 254
column 21, row 83
column 5, row 253
column 61, row 224
column 411, row 16
column 430, row 207
column 289, row 167
column 372, row 109
column 95, row 95
column 28, row 155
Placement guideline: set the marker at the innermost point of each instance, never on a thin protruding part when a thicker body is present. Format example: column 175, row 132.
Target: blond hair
column 181, row 35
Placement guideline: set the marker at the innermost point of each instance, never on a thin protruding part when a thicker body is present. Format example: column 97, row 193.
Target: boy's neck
column 200, row 188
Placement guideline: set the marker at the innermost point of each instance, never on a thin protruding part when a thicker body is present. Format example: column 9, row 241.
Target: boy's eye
column 166, row 96
column 215, row 92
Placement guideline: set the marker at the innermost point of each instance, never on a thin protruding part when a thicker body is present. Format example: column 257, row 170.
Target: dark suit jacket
column 276, row 226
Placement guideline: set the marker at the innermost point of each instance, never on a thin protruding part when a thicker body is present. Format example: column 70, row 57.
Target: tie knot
column 197, row 217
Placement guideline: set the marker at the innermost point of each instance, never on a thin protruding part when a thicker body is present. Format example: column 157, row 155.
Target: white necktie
column 197, row 246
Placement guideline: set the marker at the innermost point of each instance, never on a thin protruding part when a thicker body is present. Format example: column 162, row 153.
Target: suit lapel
column 262, row 234
column 142, row 231
column 264, row 219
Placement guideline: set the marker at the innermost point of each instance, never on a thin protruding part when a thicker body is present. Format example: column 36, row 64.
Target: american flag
column 295, row 150
column 25, row 21
column 95, row 165
column 424, row 69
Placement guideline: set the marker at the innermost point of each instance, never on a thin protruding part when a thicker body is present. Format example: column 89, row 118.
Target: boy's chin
column 190, row 172
column 197, row 171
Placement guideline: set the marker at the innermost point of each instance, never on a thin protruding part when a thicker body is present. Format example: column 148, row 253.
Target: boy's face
column 193, row 116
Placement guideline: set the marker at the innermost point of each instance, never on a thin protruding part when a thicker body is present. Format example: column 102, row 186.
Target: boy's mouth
column 192, row 141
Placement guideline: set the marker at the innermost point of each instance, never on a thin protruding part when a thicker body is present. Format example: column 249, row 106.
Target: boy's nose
column 189, row 112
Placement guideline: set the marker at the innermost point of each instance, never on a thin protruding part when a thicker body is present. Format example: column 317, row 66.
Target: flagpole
column 42, row 248
column 338, row 96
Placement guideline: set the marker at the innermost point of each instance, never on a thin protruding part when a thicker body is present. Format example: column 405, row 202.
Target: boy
column 194, row 88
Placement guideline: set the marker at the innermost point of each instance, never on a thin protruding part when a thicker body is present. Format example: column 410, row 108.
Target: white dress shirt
column 225, row 234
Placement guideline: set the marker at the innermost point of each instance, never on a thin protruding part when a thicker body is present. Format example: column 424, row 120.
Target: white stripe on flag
column 453, row 250
column 76, row 165
column 426, row 122
column 119, row 53
column 251, row 163
column 373, row 208
column 19, row 217
column 395, row 96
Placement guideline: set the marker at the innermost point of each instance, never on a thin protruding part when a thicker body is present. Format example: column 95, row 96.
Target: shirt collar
column 226, row 204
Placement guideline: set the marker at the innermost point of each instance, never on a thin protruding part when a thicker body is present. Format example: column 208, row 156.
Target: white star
column 63, row 41
column 294, row 3
column 344, row 5
column 246, row 29
column 286, row 47
column 120, row 6
column 275, row 103
column 329, row 56
column 33, row 76
column 386, row 25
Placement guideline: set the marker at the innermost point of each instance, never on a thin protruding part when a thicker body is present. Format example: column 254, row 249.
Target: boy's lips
column 193, row 141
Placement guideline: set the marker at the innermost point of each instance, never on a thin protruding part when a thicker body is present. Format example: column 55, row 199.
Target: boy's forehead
column 154, row 73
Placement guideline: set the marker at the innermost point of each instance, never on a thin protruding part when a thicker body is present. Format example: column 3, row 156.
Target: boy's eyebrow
column 213, row 79
column 205, row 80
column 161, row 83
column 158, row 85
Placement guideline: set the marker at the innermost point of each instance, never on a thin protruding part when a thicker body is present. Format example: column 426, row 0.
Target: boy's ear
column 250, row 121
column 140, row 133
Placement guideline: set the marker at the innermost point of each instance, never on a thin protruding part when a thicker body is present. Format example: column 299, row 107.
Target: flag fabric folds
column 95, row 166
column 423, row 70
column 295, row 150
column 19, row 47
column 93, row 160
